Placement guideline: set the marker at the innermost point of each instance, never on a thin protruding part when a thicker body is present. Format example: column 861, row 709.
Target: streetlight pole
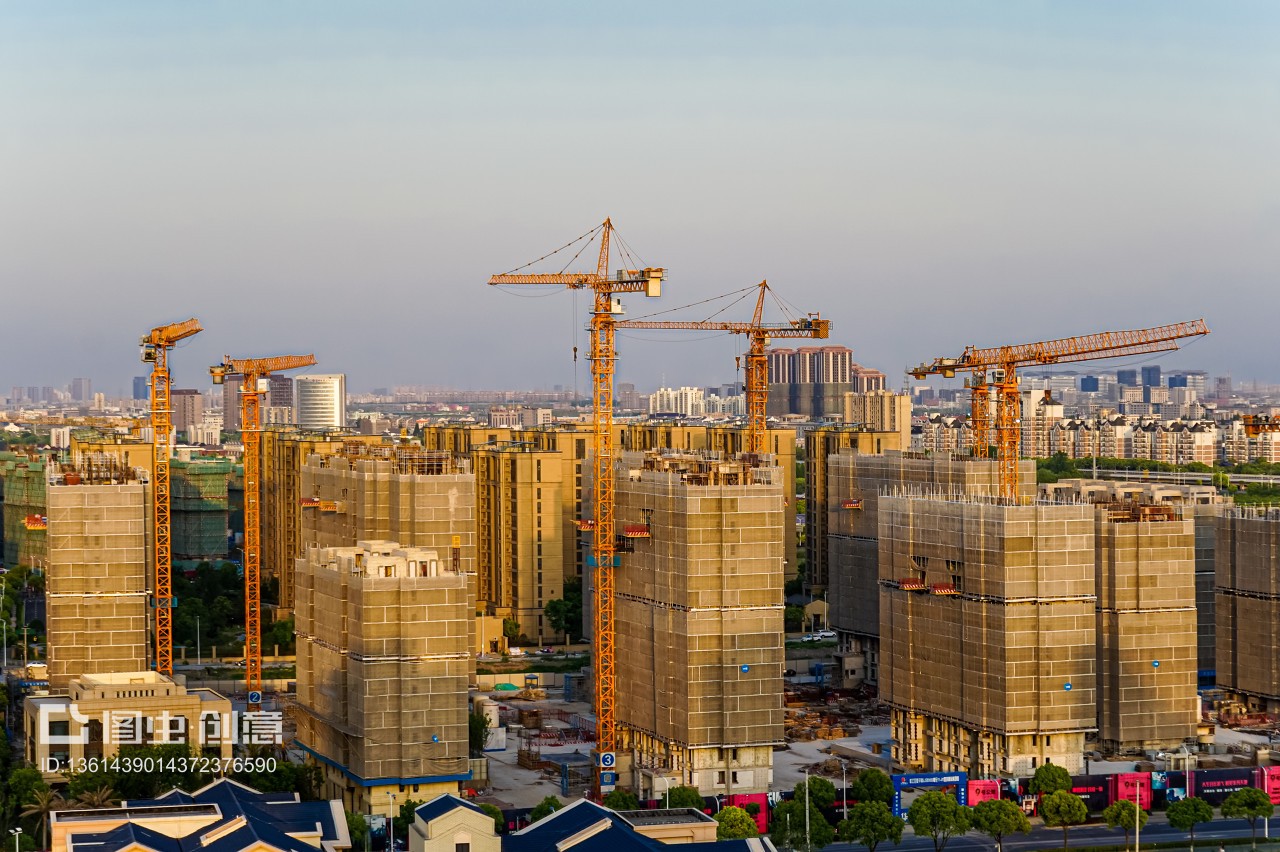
column 391, row 822
column 17, row 836
column 807, row 843
column 844, row 786
column 198, row 641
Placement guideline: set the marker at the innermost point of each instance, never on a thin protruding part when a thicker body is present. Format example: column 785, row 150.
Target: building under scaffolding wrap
column 987, row 632
column 96, row 587
column 1248, row 607
column 699, row 610
column 25, row 508
column 199, row 508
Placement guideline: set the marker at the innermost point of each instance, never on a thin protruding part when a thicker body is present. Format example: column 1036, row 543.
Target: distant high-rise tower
column 1088, row 384
column 321, row 401
column 1128, row 378
column 279, row 395
column 81, row 390
column 140, row 388
column 1151, row 376
column 188, row 410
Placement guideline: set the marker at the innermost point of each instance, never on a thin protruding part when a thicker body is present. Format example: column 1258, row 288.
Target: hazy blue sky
column 342, row 178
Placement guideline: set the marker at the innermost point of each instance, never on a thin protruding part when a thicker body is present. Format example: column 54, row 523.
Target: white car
column 826, row 634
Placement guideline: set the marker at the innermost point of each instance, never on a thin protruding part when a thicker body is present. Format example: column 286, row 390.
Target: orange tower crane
column 155, row 351
column 253, row 372
column 1003, row 362
column 759, row 334
column 603, row 355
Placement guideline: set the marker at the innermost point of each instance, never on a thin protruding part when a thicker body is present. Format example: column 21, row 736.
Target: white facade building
column 320, row 401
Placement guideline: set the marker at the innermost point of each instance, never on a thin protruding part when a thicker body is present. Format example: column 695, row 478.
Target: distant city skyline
column 343, row 180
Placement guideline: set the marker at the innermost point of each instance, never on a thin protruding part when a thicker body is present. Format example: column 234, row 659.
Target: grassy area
column 800, row 646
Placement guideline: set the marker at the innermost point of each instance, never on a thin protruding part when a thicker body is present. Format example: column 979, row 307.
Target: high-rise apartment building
column 320, row 401
column 96, row 588
column 188, row 411
column 880, row 411
column 1248, row 607
column 699, row 608
column 383, row 660
column 279, row 397
column 1151, row 376
column 812, row 380
column 81, row 390
column 1127, row 378
column 988, row 642
column 141, row 388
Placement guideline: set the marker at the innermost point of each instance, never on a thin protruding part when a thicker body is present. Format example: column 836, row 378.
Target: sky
column 342, row 178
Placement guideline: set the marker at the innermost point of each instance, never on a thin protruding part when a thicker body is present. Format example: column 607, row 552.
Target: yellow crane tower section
column 603, row 357
column 155, row 351
column 1003, row 361
column 254, row 372
column 758, row 334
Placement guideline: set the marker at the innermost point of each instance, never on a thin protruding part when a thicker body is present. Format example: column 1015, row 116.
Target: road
column 1156, row 831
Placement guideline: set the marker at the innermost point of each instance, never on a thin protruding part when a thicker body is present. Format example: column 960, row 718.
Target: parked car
column 809, row 637
column 826, row 634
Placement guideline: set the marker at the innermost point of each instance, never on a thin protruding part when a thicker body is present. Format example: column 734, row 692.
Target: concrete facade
column 97, row 575
column 855, row 483
column 987, row 617
column 384, row 654
column 699, row 603
column 1248, row 607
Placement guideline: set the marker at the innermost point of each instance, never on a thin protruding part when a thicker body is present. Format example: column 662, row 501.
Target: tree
column 621, row 800
column 404, row 819
column 870, row 823
column 23, row 784
column 565, row 614
column 1122, row 813
column 735, row 824
column 103, row 797
column 499, row 821
column 821, row 792
column 1063, row 809
column 1186, row 814
column 511, row 629
column 872, row 785
column 788, row 826
column 545, row 808
column 1049, row 778
column 357, row 828
column 998, row 818
column 1251, row 804
column 939, row 816
column 684, row 797
column 41, row 805
column 477, row 733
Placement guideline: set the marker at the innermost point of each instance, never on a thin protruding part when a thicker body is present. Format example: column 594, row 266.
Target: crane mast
column 1002, row 363
column 155, row 351
column 602, row 354
column 252, row 372
column 759, row 334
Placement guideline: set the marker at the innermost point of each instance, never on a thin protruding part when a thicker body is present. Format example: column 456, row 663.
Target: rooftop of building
column 664, row 816
column 585, row 826
column 236, row 818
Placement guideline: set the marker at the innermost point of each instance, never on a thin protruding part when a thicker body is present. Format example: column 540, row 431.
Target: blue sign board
column 959, row 780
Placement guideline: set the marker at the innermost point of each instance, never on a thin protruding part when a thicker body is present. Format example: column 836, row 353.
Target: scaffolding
column 699, row 609
column 200, row 508
column 1248, row 607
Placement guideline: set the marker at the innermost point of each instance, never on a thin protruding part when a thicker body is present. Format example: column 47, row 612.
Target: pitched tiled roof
column 441, row 805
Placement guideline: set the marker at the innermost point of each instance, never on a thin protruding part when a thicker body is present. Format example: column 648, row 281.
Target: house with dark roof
column 449, row 824
column 224, row 816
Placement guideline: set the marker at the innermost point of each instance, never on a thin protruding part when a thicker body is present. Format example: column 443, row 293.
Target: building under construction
column 1202, row 504
column 386, row 492
column 987, row 632
column 99, row 553
column 284, row 449
column 1146, row 628
column 200, row 515
column 855, row 481
column 25, row 507
column 383, row 662
column 699, row 612
column 1248, row 607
